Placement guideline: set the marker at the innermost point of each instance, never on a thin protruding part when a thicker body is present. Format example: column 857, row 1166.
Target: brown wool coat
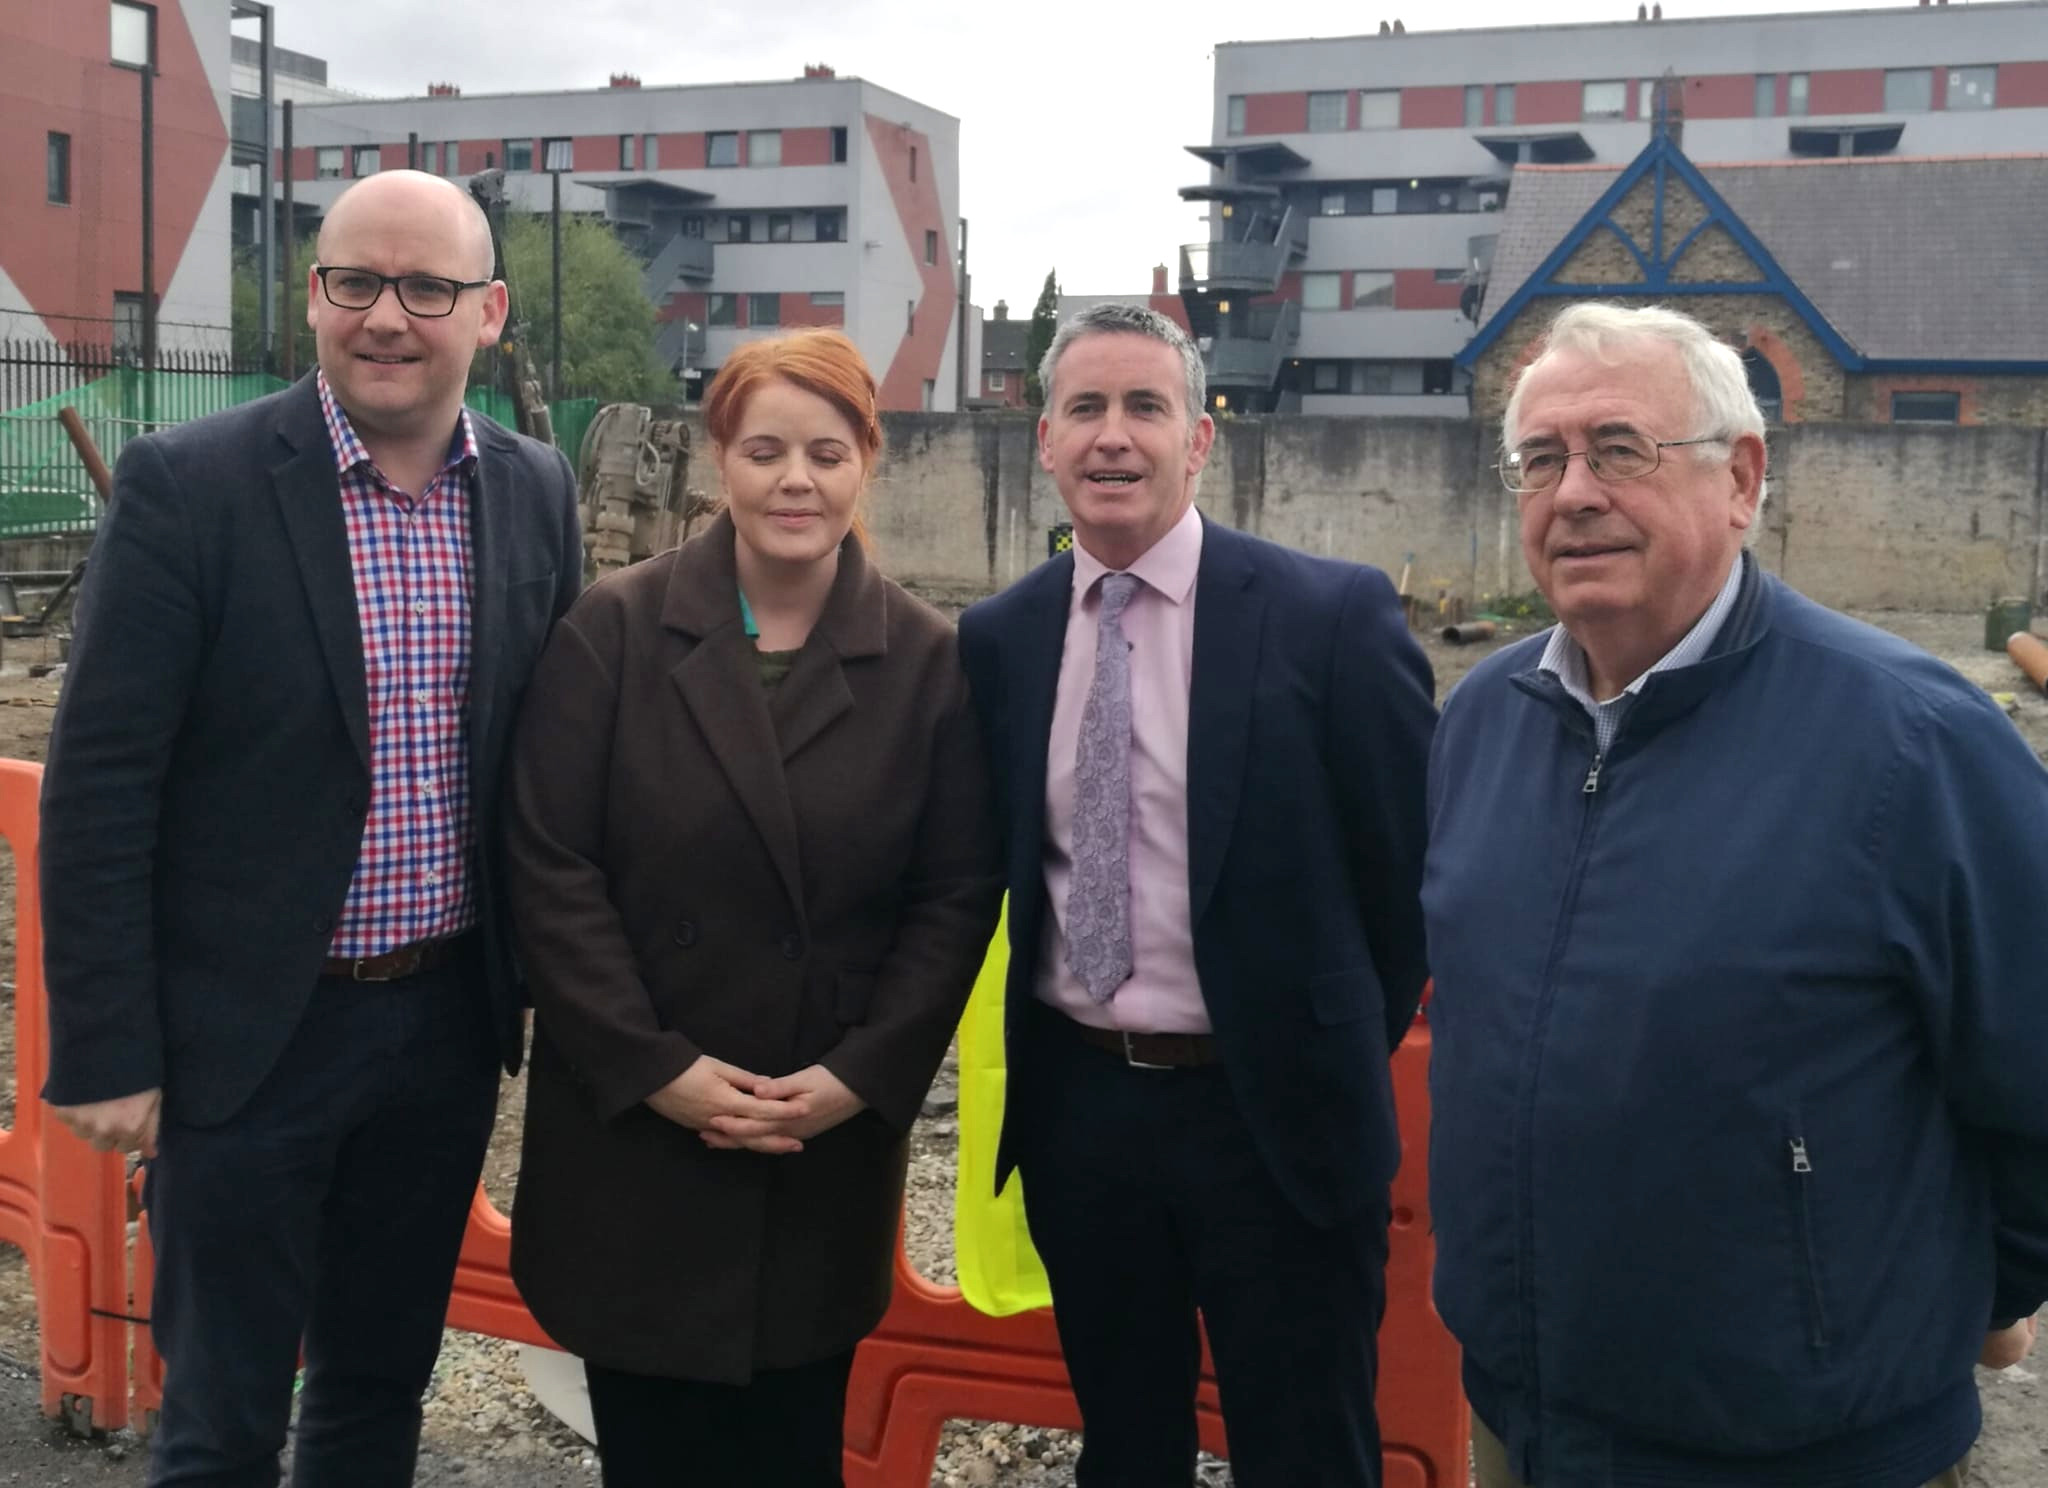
column 777, row 879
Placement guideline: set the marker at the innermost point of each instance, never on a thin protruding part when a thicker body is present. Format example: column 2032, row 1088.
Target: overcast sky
column 1074, row 114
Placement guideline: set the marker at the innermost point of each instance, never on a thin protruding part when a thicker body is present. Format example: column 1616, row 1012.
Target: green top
column 774, row 665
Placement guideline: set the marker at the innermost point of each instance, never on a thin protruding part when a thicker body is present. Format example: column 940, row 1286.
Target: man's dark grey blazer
column 209, row 773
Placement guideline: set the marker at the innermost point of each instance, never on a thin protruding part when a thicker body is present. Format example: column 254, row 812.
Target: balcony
column 1252, row 258
column 1249, row 360
column 680, row 258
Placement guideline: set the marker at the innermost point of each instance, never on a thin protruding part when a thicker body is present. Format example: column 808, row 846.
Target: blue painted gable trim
column 1659, row 161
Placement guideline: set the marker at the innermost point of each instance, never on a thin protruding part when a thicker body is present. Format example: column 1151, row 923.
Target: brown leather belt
column 1152, row 1050
column 391, row 966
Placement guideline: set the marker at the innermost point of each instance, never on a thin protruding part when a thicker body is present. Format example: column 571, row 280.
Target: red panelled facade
column 1860, row 92
column 1432, row 108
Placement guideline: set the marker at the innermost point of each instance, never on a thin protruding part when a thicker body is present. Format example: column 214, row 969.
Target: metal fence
column 43, row 484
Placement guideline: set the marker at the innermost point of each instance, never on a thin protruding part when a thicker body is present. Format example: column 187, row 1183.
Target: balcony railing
column 1255, row 260
column 681, row 258
column 1253, row 360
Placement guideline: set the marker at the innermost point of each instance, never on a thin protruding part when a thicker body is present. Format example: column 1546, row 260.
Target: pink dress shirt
column 1163, row 994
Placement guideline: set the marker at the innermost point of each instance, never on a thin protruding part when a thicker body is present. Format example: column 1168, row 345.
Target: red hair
column 821, row 362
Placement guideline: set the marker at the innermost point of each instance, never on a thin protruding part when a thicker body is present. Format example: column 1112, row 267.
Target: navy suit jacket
column 1309, row 723
column 209, row 770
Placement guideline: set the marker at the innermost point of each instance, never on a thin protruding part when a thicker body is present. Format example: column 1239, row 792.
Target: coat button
column 792, row 948
column 686, row 934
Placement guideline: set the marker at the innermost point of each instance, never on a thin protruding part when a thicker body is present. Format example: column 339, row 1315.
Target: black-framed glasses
column 427, row 296
column 1612, row 457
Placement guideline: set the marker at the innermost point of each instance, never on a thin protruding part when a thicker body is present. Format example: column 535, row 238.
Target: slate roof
column 1002, row 345
column 1908, row 258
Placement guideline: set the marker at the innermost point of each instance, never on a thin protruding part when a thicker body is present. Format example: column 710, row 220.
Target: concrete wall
column 1866, row 517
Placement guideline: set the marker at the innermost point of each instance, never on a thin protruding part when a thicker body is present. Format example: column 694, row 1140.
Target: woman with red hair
column 753, row 875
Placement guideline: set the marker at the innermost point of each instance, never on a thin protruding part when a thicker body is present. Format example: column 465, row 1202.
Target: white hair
column 1724, row 408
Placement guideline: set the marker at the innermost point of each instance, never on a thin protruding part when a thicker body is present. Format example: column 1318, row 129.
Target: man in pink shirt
column 1209, row 755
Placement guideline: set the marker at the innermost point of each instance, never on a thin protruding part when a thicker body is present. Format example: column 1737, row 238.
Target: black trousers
column 784, row 1429
column 327, row 1214
column 1147, row 1201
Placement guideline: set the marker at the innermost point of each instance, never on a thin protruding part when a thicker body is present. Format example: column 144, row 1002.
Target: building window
column 327, row 163
column 127, row 324
column 1325, row 113
column 1646, row 98
column 931, row 246
column 518, row 154
column 1379, row 108
column 1475, row 105
column 778, row 227
column 909, row 316
column 1795, row 94
column 1909, row 90
column 1326, row 377
column 558, row 155
column 1322, row 291
column 627, row 151
column 1372, row 289
column 134, row 35
column 1385, row 200
column 450, row 156
column 1436, row 378
column 722, row 148
column 1604, row 101
column 764, row 309
column 827, row 299
column 430, row 158
column 58, row 170
column 739, row 228
column 1450, row 276
column 367, row 159
column 1503, row 103
column 1766, row 95
column 764, row 147
column 693, row 226
column 995, row 382
column 831, row 227
column 913, row 162
column 721, row 310
column 839, row 144
column 1972, row 88
column 649, row 156
column 1233, row 114
column 1375, row 379
column 1333, row 204
column 927, row 398
column 1926, row 408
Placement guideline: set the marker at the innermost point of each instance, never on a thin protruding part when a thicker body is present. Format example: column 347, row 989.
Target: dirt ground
column 484, row 1426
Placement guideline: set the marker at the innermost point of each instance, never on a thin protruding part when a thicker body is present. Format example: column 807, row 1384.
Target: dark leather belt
column 1152, row 1050
column 391, row 966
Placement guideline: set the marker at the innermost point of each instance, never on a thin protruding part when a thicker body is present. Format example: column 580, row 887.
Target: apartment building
column 822, row 201
column 1355, row 184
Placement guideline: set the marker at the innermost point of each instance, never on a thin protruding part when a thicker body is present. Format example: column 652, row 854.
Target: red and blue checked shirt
column 411, row 558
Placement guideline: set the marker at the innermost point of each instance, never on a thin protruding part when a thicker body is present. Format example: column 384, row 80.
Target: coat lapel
column 854, row 626
column 489, row 502
column 308, row 493
column 1229, row 616
column 1040, row 643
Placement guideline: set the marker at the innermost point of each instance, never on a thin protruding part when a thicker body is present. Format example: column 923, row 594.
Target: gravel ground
column 482, row 1424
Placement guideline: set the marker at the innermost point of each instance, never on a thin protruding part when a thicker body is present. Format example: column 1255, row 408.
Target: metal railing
column 680, row 258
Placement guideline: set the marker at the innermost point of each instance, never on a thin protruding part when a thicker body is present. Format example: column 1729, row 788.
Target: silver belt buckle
column 1133, row 1060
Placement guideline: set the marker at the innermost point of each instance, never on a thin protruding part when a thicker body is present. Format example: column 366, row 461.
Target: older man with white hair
column 1740, row 1156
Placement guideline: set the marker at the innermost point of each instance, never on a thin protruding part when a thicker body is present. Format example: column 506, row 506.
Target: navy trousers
column 327, row 1213
column 1147, row 1201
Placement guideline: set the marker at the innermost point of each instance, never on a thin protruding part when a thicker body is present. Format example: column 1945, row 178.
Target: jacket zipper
column 1525, row 1168
column 1802, row 1183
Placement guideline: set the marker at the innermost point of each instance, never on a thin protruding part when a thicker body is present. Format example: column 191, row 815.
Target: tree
column 1044, row 315
column 245, row 308
column 608, row 324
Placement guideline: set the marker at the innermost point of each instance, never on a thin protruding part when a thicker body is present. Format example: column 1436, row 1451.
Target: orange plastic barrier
column 933, row 1358
column 60, row 1202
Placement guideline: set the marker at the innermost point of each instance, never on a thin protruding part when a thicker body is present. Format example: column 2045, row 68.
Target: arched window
column 1763, row 381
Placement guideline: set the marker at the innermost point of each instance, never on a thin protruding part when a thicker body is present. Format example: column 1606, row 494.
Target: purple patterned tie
column 1099, row 894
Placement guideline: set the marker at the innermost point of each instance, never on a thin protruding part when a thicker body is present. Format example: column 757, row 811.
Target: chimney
column 1385, row 29
column 1399, row 29
column 1159, row 279
column 623, row 80
column 1642, row 12
column 1657, row 11
column 443, row 90
column 818, row 70
column 1002, row 309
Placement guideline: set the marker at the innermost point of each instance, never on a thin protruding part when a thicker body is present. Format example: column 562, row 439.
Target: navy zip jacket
column 1740, row 1065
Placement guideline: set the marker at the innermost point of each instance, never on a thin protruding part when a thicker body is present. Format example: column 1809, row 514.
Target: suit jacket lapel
column 1229, row 616
column 308, row 493
column 854, row 626
column 497, row 474
column 1040, row 643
